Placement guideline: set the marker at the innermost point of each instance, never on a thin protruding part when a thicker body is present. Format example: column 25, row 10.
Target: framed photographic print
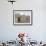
column 22, row 17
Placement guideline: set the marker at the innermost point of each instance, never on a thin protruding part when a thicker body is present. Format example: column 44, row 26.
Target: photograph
column 22, row 17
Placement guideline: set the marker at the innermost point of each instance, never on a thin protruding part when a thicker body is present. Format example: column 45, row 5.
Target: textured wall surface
column 37, row 31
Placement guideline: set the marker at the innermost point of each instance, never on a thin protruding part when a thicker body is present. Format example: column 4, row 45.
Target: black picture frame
column 14, row 12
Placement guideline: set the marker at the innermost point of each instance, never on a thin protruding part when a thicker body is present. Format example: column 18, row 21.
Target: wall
column 37, row 31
